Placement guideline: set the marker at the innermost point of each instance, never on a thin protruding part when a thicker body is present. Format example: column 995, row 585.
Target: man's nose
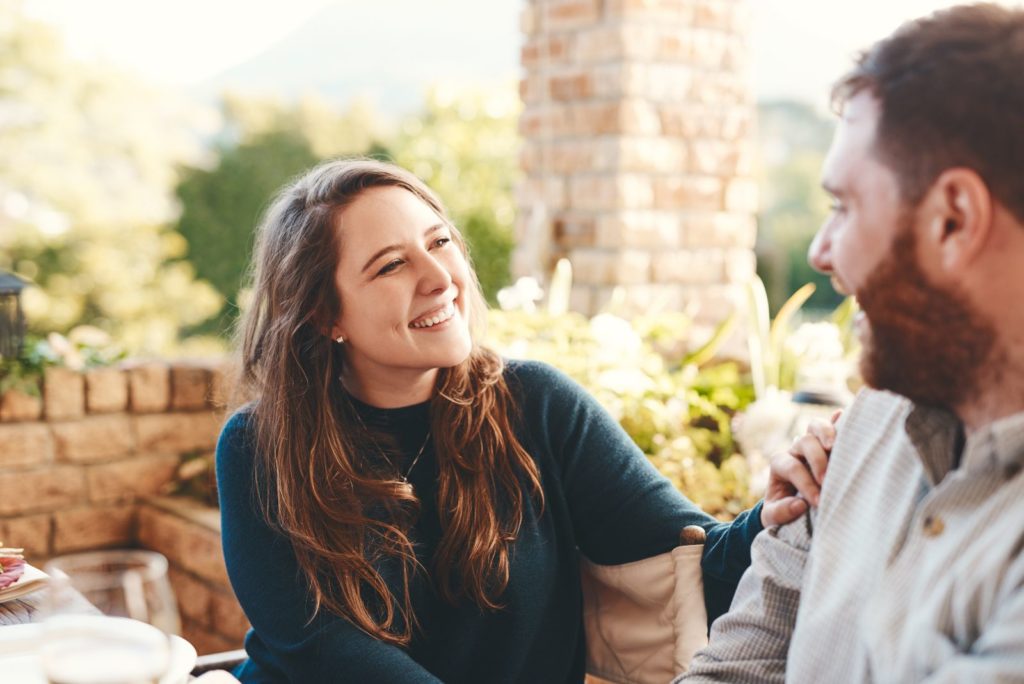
column 819, row 254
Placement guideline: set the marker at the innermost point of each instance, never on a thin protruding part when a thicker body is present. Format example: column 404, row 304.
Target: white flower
column 64, row 351
column 516, row 349
column 522, row 296
column 816, row 342
column 822, row 365
column 89, row 336
column 618, row 341
column 625, row 381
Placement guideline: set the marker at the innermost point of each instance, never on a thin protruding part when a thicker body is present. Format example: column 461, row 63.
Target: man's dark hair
column 951, row 89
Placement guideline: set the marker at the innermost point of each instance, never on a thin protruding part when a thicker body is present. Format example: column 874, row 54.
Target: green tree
column 86, row 179
column 221, row 207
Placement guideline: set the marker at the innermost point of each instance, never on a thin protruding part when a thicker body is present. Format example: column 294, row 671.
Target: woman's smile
column 436, row 318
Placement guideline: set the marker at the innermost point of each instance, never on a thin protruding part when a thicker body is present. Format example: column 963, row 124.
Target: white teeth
column 439, row 317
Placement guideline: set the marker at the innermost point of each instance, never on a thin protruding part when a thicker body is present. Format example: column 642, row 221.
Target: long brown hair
column 310, row 482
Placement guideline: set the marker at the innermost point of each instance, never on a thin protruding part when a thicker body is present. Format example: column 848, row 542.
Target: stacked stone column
column 637, row 130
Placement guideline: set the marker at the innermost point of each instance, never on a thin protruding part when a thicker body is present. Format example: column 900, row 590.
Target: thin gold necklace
column 416, row 459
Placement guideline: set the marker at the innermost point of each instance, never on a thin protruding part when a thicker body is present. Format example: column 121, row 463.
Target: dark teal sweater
column 602, row 498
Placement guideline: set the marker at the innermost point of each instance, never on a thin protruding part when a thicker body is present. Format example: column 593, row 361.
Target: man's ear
column 957, row 214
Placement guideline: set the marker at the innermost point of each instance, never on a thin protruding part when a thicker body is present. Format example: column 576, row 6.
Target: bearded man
column 911, row 569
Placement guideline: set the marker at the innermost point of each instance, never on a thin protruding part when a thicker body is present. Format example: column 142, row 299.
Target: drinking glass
column 108, row 617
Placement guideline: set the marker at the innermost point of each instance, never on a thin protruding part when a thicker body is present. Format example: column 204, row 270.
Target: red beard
column 926, row 342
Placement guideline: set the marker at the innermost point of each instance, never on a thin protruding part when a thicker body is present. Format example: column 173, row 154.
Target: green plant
column 764, row 340
column 24, row 372
column 84, row 347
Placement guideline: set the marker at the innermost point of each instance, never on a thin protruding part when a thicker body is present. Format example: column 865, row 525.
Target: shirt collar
column 999, row 444
column 934, row 432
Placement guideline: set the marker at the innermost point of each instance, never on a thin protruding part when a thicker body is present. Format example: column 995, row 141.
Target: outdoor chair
column 225, row 660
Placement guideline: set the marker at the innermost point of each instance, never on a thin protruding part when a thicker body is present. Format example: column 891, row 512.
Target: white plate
column 20, row 663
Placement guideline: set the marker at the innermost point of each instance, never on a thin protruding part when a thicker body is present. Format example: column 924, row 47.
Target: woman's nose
column 434, row 276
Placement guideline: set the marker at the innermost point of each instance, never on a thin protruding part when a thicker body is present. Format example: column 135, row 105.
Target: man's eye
column 389, row 267
column 836, row 207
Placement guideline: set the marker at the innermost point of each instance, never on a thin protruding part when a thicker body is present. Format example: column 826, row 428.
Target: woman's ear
column 957, row 216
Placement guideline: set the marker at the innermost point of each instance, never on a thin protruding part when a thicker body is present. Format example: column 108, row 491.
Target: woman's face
column 404, row 288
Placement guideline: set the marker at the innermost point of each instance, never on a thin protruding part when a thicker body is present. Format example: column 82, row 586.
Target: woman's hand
column 796, row 475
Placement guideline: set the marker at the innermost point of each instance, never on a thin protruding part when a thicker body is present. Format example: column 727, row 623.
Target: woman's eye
column 442, row 241
column 389, row 267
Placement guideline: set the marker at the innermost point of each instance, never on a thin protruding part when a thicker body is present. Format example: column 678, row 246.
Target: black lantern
column 12, row 320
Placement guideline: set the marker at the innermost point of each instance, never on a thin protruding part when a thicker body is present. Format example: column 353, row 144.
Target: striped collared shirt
column 916, row 571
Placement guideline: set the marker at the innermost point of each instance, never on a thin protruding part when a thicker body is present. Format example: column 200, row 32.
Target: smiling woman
column 398, row 502
column 405, row 291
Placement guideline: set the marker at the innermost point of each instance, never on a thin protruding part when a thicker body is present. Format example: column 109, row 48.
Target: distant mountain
column 389, row 50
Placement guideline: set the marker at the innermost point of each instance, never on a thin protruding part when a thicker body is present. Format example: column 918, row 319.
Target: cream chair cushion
column 644, row 620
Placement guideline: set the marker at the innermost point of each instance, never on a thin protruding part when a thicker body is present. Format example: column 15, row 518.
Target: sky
column 799, row 46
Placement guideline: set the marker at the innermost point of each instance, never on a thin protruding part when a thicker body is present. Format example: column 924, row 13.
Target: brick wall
column 638, row 129
column 83, row 465
column 188, row 533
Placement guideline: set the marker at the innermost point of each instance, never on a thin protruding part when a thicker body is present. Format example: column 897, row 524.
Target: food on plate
column 12, row 565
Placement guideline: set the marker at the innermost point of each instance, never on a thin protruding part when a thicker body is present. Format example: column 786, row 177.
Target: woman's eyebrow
column 384, row 250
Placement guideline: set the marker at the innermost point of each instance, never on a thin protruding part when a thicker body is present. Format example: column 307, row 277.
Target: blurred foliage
column 84, row 347
column 24, row 372
column 771, row 368
column 678, row 413
column 794, row 139
column 85, row 193
column 221, row 206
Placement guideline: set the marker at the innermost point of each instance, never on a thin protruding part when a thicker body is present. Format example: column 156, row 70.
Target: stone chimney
column 637, row 128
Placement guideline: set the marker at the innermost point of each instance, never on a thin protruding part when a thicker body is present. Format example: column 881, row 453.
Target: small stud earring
column 340, row 339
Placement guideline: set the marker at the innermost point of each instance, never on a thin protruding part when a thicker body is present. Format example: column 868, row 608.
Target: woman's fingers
column 801, row 469
column 782, row 511
column 813, row 449
column 824, row 431
column 788, row 473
